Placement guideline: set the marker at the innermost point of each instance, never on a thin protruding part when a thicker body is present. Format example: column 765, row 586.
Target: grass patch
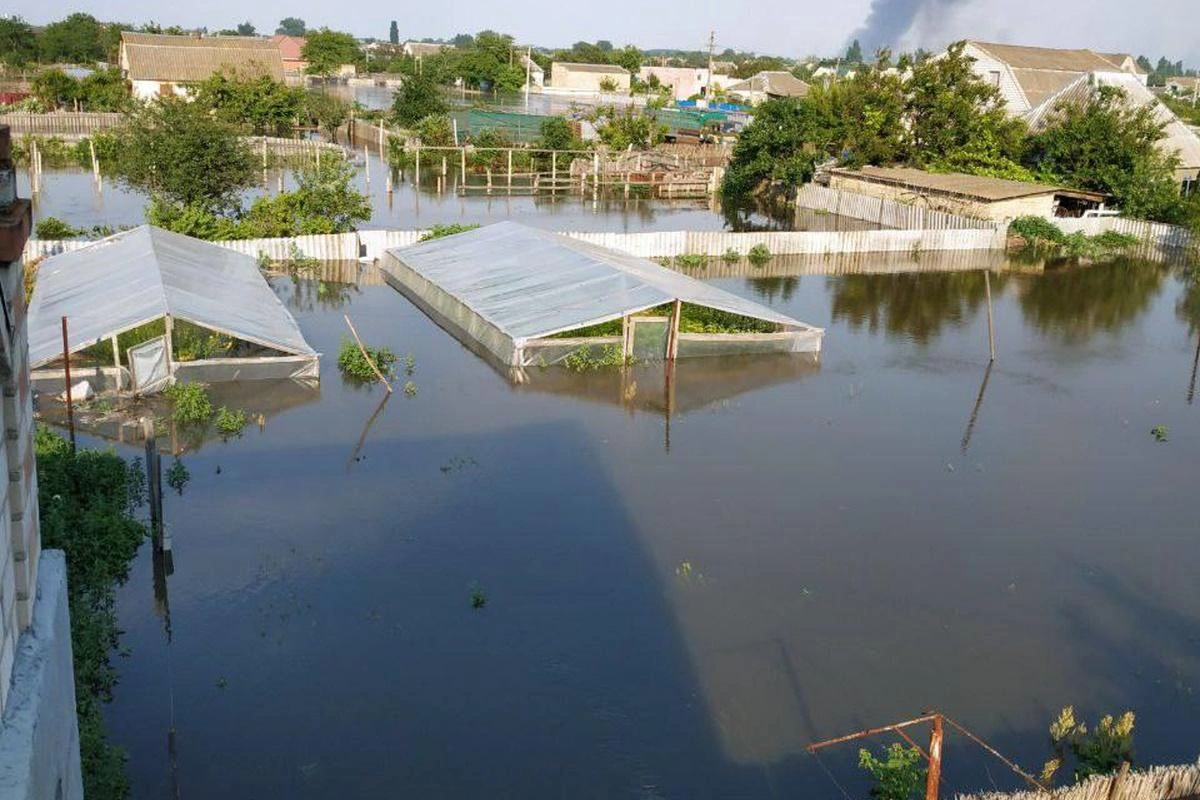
column 585, row 360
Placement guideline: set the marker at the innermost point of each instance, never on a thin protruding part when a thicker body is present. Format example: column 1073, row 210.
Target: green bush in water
column 759, row 255
column 353, row 365
column 191, row 404
column 230, row 423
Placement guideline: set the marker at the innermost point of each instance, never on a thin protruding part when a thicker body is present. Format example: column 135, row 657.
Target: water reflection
column 916, row 306
column 1074, row 303
column 775, row 289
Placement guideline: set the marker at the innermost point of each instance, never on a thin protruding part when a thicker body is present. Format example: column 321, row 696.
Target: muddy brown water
column 675, row 606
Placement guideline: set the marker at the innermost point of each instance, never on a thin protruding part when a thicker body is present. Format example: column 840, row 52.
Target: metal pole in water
column 67, row 375
column 987, row 287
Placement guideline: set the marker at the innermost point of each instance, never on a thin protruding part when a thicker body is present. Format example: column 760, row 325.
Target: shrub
column 759, row 255
column 230, row 423
column 440, row 231
column 353, row 365
column 191, row 404
column 899, row 776
column 1036, row 230
column 55, row 228
column 731, row 256
column 582, row 360
column 690, row 261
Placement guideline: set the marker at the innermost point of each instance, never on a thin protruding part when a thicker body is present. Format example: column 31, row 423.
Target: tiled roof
column 184, row 59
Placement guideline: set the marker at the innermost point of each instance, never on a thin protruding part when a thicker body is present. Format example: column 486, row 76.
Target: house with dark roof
column 158, row 65
column 1035, row 81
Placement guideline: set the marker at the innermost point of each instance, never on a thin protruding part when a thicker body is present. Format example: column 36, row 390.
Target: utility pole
column 528, row 73
column 712, row 44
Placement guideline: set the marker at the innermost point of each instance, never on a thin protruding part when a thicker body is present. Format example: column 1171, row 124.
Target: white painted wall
column 149, row 90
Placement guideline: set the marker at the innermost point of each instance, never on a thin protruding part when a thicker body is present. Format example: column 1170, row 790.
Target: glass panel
column 650, row 339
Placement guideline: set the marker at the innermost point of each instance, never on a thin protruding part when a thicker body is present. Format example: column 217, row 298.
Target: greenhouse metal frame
column 510, row 292
column 146, row 274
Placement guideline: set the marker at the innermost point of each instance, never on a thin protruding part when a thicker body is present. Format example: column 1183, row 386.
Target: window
column 994, row 77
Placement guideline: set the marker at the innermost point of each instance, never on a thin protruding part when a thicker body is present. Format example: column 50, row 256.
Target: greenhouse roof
column 147, row 273
column 530, row 283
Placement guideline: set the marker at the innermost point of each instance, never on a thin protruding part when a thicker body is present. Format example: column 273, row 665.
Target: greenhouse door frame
column 671, row 347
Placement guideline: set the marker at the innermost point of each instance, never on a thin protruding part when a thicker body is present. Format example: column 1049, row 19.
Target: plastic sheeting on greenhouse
column 508, row 287
column 146, row 274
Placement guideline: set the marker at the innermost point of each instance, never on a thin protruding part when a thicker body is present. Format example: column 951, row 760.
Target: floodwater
column 71, row 194
column 675, row 604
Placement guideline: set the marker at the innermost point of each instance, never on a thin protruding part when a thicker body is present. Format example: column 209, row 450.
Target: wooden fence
column 887, row 213
column 60, row 123
column 1156, row 783
column 1169, row 237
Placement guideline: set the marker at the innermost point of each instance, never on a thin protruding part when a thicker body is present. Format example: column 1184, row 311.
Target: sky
column 793, row 28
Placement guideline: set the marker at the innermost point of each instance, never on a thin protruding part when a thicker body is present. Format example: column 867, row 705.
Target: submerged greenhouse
column 148, row 306
column 527, row 297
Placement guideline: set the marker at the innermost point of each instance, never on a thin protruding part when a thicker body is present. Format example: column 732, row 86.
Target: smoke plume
column 889, row 21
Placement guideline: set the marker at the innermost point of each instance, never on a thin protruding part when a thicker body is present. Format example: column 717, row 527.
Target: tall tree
column 246, row 29
column 177, row 151
column 291, row 26
column 417, row 98
column 253, row 101
column 76, row 39
column 326, row 51
column 1107, row 144
column 394, row 33
column 17, row 43
column 854, row 53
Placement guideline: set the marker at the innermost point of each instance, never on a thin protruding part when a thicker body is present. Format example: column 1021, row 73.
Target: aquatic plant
column 759, row 255
column 410, row 364
column 353, row 365
column 1097, row 752
column 690, row 261
column 1036, row 230
column 441, row 231
column 230, row 423
column 178, row 476
column 478, row 597
column 1159, row 432
column 731, row 256
column 410, row 389
column 191, row 404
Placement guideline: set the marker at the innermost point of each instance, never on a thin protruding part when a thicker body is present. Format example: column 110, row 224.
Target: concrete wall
column 564, row 76
column 999, row 211
column 39, row 738
column 683, row 81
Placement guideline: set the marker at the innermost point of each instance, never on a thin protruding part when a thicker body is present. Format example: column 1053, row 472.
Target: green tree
column 782, row 144
column 55, row 88
column 1107, row 144
column 176, row 150
column 104, row 90
column 246, row 29
column 394, row 33
column 291, row 26
column 326, row 51
column 254, row 102
column 417, row 98
column 436, row 130
column 1097, row 752
column 18, row 46
column 76, row 39
column 625, row 128
column 854, row 53
column 324, row 201
column 898, row 776
column 557, row 133
column 329, row 112
column 628, row 57
column 950, row 112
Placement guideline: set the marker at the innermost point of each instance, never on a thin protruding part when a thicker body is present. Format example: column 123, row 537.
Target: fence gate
column 148, row 366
